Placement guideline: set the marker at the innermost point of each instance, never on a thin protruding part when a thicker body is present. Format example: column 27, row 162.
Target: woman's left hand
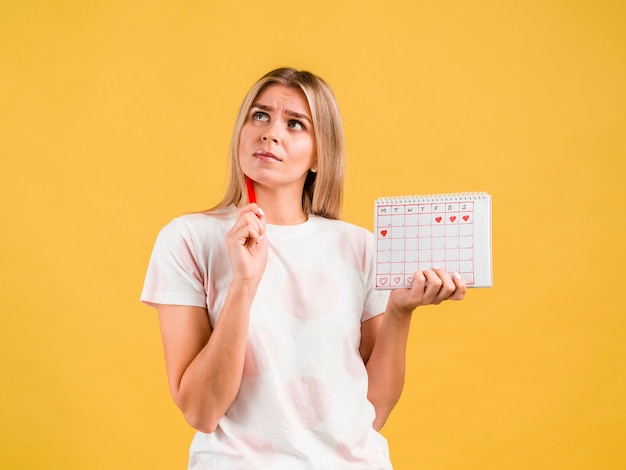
column 430, row 287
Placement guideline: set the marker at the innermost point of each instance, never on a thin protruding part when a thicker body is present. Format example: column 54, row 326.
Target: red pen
column 250, row 187
column 252, row 195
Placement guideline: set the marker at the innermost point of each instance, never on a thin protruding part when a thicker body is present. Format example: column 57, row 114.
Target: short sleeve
column 375, row 299
column 174, row 275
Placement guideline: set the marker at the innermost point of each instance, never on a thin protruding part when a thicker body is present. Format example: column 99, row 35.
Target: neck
column 281, row 207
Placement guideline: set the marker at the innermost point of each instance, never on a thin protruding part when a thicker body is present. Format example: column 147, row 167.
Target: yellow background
column 115, row 116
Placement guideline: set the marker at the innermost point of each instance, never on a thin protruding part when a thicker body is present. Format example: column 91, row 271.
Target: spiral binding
column 410, row 199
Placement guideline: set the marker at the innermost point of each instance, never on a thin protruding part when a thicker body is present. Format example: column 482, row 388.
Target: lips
column 266, row 156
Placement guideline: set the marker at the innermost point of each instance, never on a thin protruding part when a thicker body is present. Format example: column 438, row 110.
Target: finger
column 253, row 229
column 419, row 281
column 447, row 287
column 416, row 293
column 459, row 291
column 251, row 214
column 257, row 221
column 241, row 220
column 248, row 228
column 433, row 286
column 252, row 207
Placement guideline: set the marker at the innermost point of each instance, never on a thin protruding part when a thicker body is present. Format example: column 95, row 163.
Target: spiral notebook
column 451, row 231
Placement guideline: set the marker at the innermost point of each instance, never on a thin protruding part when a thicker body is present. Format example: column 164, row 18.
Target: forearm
column 386, row 365
column 211, row 382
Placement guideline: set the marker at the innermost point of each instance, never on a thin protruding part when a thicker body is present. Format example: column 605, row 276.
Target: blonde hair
column 323, row 190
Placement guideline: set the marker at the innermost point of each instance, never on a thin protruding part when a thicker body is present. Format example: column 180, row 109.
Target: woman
column 279, row 350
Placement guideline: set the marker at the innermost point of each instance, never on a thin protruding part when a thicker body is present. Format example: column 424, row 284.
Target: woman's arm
column 384, row 338
column 204, row 363
column 205, row 366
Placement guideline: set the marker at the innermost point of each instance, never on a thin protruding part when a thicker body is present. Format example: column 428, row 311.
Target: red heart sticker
column 410, row 279
column 383, row 232
column 453, row 218
column 382, row 281
column 466, row 218
column 396, row 280
column 437, row 219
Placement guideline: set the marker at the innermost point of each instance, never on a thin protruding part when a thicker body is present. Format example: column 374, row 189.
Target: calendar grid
column 422, row 233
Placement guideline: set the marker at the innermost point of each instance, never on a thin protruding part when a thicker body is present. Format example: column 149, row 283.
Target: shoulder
column 196, row 227
column 199, row 223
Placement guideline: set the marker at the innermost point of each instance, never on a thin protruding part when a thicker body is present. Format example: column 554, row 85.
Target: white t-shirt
column 303, row 399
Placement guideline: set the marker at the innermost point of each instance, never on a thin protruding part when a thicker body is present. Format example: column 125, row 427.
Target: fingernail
column 436, row 267
column 260, row 211
column 457, row 276
column 260, row 238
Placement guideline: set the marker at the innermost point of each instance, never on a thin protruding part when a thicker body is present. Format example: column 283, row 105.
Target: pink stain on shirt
column 308, row 294
column 307, row 402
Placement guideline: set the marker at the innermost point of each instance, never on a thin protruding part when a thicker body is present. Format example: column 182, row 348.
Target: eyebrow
column 288, row 112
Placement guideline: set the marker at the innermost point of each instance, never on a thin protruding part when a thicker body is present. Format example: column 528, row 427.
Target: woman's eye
column 295, row 124
column 260, row 116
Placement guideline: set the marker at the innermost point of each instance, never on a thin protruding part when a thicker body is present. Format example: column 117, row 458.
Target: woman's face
column 277, row 140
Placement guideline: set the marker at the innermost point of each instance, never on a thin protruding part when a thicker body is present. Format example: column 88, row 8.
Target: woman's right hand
column 247, row 246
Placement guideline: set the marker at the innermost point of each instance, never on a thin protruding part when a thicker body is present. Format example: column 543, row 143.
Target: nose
column 271, row 133
column 269, row 136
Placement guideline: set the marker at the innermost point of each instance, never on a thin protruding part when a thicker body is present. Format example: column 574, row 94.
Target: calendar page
column 451, row 231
